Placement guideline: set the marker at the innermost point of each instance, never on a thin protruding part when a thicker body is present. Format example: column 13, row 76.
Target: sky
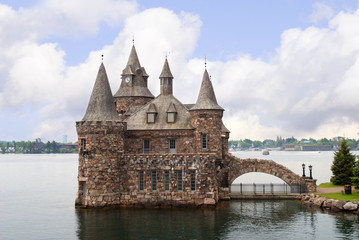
column 279, row 68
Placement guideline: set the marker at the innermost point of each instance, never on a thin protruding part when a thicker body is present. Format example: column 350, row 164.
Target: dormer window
column 151, row 117
column 171, row 113
column 151, row 113
column 171, row 117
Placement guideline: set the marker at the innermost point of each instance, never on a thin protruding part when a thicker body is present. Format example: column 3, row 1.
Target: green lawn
column 328, row 185
column 338, row 196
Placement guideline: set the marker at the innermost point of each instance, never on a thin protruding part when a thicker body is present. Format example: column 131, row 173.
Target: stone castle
column 139, row 150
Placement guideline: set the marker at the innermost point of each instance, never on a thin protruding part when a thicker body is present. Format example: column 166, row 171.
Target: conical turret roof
column 166, row 71
column 206, row 98
column 134, row 79
column 101, row 106
column 133, row 61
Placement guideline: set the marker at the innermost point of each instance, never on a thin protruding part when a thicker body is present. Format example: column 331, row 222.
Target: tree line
column 36, row 146
column 280, row 142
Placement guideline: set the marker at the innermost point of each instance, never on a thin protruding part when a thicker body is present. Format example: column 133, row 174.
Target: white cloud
column 307, row 89
column 321, row 12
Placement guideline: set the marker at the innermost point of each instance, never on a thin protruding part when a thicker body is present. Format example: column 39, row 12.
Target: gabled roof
column 101, row 106
column 206, row 98
column 138, row 120
column 171, row 108
column 166, row 71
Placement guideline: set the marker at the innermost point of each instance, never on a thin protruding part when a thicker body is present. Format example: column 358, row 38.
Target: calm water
column 37, row 195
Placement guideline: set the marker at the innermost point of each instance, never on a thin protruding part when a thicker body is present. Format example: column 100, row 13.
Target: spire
column 101, row 106
column 134, row 79
column 206, row 98
column 133, row 61
column 166, row 78
column 166, row 72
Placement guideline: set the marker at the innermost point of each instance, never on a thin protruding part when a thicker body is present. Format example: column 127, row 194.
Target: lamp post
column 310, row 172
column 303, row 166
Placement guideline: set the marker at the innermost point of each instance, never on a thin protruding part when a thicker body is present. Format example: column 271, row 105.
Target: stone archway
column 235, row 167
column 238, row 167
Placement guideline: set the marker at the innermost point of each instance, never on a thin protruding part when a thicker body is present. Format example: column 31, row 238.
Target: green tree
column 343, row 165
column 355, row 179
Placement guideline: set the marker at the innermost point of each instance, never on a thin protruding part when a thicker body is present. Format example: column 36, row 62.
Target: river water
column 37, row 195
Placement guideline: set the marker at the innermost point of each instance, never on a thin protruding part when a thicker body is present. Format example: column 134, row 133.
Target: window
column 204, row 141
column 179, row 180
column 140, row 180
column 167, row 180
column 84, row 188
column 83, row 144
column 171, row 117
column 153, row 180
column 151, row 117
column 172, row 146
column 193, row 180
column 146, row 145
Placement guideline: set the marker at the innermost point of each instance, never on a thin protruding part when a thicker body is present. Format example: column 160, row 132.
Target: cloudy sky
column 279, row 68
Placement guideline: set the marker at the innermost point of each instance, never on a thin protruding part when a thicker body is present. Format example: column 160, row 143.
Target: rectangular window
column 140, row 180
column 151, row 117
column 146, row 145
column 167, row 180
column 172, row 146
column 204, row 141
column 179, row 180
column 193, row 180
column 84, row 188
column 171, row 117
column 83, row 144
column 153, row 180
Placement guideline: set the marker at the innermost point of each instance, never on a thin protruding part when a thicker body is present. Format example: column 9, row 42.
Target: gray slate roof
column 138, row 88
column 138, row 120
column 206, row 98
column 101, row 106
column 166, row 72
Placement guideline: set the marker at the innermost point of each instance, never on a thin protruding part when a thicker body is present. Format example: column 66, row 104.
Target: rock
column 327, row 203
column 209, row 201
column 318, row 202
column 349, row 206
column 338, row 205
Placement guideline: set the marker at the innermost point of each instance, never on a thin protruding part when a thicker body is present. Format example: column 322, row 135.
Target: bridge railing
column 271, row 188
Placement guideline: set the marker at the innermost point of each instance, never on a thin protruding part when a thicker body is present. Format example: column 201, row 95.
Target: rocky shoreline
column 313, row 200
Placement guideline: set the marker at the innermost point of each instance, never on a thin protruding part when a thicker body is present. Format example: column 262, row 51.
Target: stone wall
column 208, row 122
column 206, row 190
column 99, row 162
column 159, row 141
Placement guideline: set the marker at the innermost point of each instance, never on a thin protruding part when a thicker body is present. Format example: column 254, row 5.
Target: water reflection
column 231, row 220
column 347, row 225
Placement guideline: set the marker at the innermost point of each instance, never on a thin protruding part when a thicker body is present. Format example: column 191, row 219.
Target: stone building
column 139, row 150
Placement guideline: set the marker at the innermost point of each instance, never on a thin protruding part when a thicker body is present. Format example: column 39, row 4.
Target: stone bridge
column 237, row 167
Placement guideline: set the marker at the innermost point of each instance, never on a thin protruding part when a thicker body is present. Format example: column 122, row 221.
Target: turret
column 133, row 89
column 166, row 79
column 206, row 118
column 100, row 139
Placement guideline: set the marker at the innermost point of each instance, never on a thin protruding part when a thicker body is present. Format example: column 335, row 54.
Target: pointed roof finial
column 205, row 62
column 166, row 72
column 206, row 98
column 102, row 57
column 133, row 39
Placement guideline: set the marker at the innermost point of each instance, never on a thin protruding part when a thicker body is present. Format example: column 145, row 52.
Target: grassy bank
column 338, row 196
column 329, row 185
